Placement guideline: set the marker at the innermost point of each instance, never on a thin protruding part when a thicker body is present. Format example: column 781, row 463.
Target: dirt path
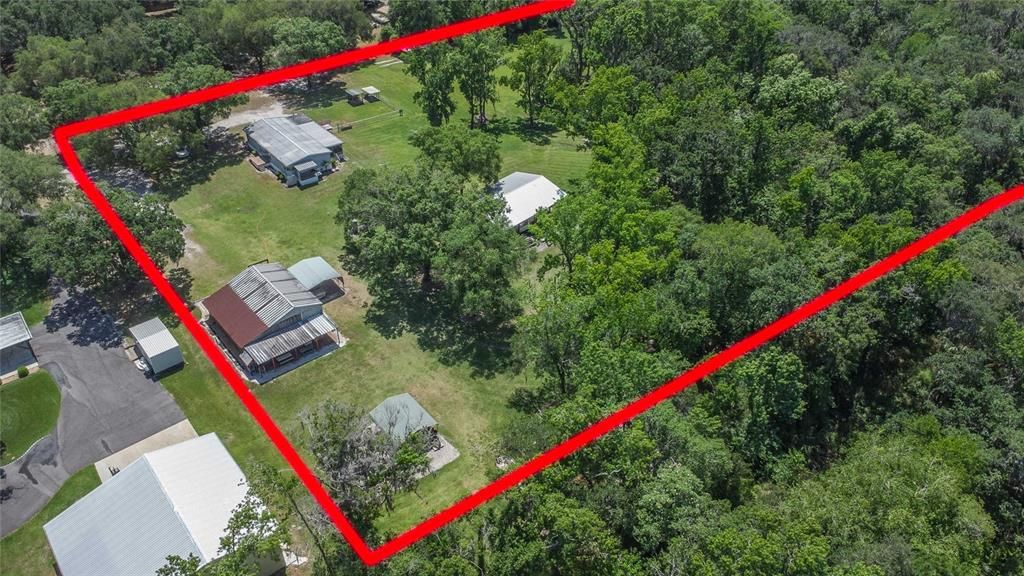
column 266, row 106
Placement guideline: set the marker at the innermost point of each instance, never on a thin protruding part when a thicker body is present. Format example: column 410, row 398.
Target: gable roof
column 400, row 416
column 526, row 194
column 153, row 337
column 176, row 500
column 258, row 298
column 13, row 330
column 292, row 141
column 312, row 272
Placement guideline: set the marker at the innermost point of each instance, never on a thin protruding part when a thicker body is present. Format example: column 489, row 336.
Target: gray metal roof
column 153, row 337
column 173, row 501
column 292, row 143
column 305, row 332
column 271, row 292
column 400, row 416
column 13, row 330
column 312, row 272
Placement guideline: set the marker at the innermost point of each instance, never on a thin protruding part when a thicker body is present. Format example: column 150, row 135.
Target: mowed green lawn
column 29, row 408
column 239, row 216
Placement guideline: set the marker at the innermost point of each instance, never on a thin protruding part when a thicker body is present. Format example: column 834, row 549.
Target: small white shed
column 154, row 342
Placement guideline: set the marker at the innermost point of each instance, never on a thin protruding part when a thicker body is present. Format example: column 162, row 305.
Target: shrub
column 22, row 371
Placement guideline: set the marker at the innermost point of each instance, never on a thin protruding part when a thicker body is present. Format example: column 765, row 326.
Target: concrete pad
column 169, row 436
column 446, row 454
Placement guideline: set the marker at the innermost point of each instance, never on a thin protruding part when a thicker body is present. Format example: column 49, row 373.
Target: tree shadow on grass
column 297, row 95
column 538, row 133
column 423, row 312
column 223, row 148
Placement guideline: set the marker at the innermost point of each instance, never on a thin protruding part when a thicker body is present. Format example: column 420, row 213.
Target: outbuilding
column 175, row 501
column 15, row 344
column 155, row 343
column 319, row 278
column 525, row 196
column 296, row 148
column 354, row 95
column 401, row 416
column 371, row 93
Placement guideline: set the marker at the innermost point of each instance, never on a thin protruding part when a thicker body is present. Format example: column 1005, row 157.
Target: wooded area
column 747, row 155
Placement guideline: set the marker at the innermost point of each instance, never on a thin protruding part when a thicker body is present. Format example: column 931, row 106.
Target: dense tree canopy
column 745, row 155
column 430, row 226
column 76, row 245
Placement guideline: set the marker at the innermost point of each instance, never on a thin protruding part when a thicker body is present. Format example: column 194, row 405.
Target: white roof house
column 526, row 195
column 157, row 345
column 173, row 501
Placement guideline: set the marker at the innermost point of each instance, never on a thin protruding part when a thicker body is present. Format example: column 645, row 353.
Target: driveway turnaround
column 107, row 404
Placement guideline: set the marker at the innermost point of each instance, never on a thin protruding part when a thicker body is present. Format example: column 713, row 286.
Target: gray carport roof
column 292, row 143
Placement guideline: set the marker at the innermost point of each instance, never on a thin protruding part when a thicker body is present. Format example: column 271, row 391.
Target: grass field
column 237, row 216
column 29, row 408
column 25, row 551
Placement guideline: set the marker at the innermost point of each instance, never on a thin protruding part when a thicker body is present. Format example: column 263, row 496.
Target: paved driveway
column 106, row 405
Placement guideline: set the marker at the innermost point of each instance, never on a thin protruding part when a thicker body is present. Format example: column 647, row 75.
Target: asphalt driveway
column 106, row 405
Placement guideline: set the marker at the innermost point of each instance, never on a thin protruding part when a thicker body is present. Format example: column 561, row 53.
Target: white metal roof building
column 13, row 330
column 173, row 501
column 157, row 345
column 15, row 345
column 526, row 195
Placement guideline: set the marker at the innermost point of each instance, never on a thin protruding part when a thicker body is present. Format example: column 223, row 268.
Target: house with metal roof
column 173, row 501
column 155, row 343
column 15, row 344
column 401, row 416
column 318, row 277
column 525, row 196
column 296, row 148
column 265, row 318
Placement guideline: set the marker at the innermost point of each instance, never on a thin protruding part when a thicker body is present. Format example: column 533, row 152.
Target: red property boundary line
column 372, row 556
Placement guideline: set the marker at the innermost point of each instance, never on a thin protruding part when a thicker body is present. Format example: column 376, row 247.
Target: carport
column 15, row 345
